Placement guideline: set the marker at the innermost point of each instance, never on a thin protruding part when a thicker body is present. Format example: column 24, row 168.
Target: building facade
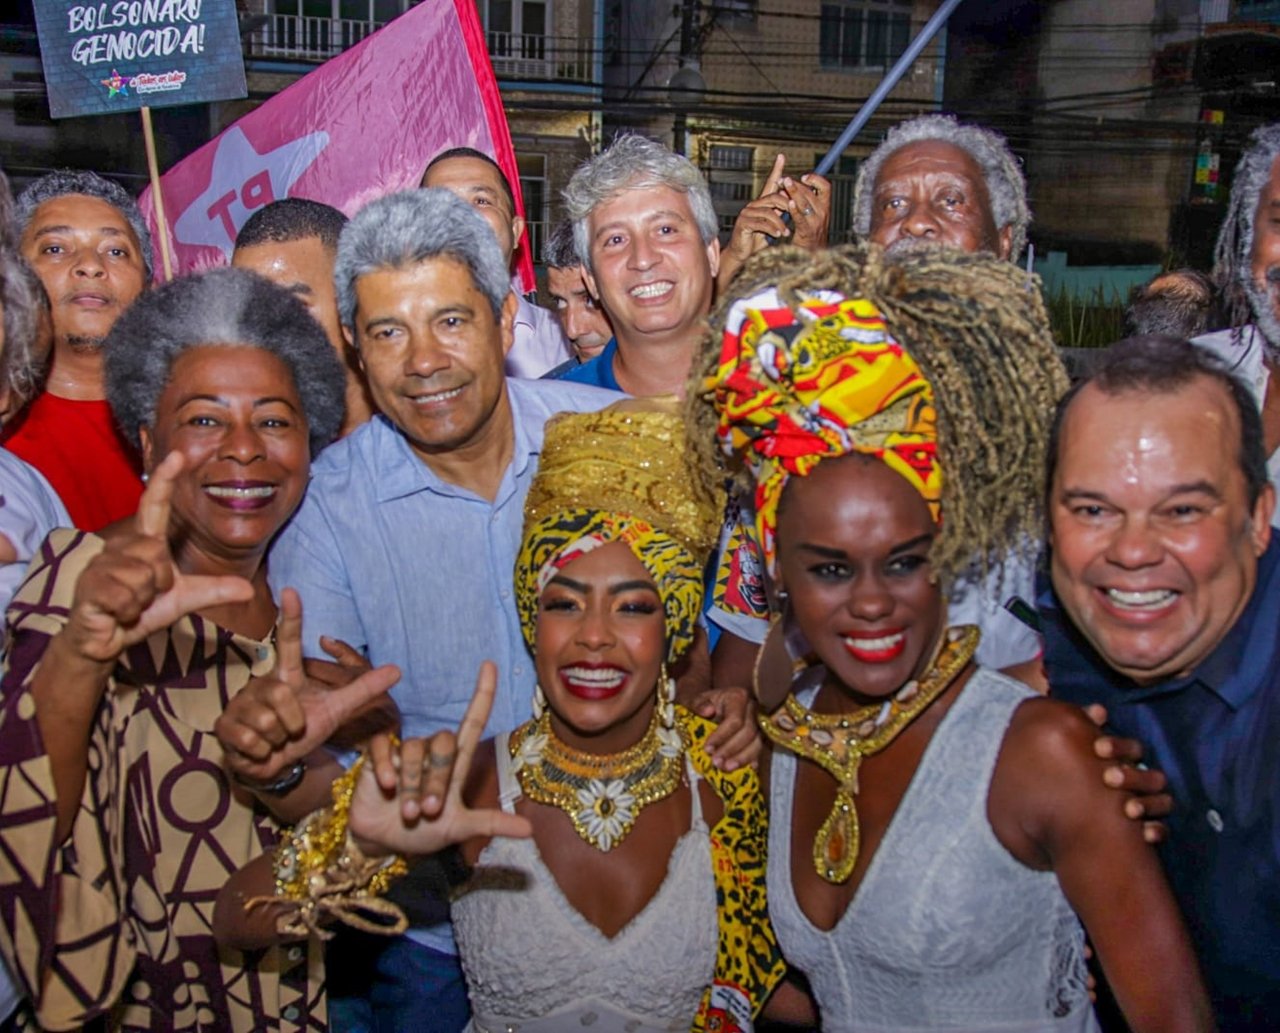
column 733, row 83
column 546, row 55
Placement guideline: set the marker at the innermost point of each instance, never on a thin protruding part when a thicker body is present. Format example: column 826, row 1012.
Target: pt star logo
column 241, row 180
column 117, row 85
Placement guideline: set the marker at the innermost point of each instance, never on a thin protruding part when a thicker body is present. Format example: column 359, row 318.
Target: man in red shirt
column 86, row 240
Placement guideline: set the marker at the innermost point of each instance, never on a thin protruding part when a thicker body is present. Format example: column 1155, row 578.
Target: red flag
column 361, row 125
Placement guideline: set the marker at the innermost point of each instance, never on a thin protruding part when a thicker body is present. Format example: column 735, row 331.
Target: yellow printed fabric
column 798, row 385
column 619, row 475
column 748, row 961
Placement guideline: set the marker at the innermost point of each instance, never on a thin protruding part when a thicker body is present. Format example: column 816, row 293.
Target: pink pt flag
column 362, row 125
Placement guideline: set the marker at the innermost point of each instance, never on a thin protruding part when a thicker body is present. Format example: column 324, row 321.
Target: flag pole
column 890, row 80
column 153, row 168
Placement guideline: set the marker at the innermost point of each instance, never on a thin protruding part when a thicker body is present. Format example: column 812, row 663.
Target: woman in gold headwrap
column 933, row 823
column 638, row 903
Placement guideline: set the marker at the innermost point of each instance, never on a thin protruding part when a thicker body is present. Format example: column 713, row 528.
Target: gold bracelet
column 321, row 874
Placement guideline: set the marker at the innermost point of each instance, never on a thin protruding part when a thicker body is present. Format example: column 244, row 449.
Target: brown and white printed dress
column 116, row 922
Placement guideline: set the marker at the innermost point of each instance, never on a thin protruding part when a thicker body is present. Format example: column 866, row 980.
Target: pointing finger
column 289, row 639
column 489, row 823
column 343, row 653
column 188, row 595
column 153, row 508
column 472, row 727
column 337, row 705
column 775, row 175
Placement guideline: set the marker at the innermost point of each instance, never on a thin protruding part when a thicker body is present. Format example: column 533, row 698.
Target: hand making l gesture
column 133, row 587
column 409, row 800
column 279, row 719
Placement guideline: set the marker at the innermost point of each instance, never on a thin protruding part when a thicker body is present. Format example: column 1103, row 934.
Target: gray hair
column 560, row 251
column 1232, row 256
column 409, row 227
column 24, row 302
column 634, row 162
column 1006, row 186
column 26, row 308
column 224, row 307
column 90, row 184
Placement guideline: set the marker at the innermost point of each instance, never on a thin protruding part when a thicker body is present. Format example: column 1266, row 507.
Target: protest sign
column 101, row 58
column 363, row 124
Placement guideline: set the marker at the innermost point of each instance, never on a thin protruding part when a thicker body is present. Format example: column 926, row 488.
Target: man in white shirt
column 540, row 345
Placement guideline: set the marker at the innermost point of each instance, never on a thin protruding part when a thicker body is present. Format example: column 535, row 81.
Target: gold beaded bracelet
column 322, row 875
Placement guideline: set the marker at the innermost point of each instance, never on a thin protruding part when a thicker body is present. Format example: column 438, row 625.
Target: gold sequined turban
column 795, row 386
column 622, row 474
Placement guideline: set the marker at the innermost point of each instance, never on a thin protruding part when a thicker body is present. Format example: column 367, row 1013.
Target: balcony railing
column 307, row 39
column 514, row 56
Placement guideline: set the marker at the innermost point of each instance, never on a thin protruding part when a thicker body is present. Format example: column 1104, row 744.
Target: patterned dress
column 116, row 922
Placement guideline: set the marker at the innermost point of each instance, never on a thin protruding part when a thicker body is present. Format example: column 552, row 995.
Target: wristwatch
column 288, row 781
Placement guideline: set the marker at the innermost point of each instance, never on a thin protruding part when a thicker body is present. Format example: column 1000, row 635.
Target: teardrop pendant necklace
column 838, row 742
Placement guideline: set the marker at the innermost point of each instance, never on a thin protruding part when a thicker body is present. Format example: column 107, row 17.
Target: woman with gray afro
column 1003, row 209
column 227, row 308
column 127, row 649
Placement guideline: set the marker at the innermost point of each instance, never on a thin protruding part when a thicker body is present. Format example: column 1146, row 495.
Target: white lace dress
column 535, row 965
column 947, row 930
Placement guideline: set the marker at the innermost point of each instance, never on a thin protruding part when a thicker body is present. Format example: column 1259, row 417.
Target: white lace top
column 947, row 930
column 535, row 965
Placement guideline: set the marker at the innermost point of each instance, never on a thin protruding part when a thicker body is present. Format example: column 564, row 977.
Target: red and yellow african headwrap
column 619, row 475
column 796, row 386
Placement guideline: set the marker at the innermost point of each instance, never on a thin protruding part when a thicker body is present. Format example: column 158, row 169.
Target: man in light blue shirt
column 405, row 544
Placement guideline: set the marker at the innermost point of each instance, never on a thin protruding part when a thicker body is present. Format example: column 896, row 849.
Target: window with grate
column 731, row 159
column 533, row 188
column 863, row 33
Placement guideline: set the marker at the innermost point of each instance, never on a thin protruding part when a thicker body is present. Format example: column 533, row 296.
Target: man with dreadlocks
column 886, row 454
column 1247, row 273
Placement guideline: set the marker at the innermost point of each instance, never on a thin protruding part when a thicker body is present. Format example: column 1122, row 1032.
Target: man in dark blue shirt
column 1164, row 605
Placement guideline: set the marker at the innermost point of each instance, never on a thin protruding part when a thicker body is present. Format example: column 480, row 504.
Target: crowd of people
column 771, row 634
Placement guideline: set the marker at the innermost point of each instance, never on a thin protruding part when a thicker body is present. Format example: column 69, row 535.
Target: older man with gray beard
column 1247, row 272
column 935, row 180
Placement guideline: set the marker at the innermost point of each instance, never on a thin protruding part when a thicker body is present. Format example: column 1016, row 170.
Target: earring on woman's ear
column 539, row 702
column 666, row 698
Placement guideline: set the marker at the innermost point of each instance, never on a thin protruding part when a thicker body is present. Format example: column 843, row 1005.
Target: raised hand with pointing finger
column 276, row 721
column 131, row 589
column 795, row 210
column 409, row 797
column 134, row 588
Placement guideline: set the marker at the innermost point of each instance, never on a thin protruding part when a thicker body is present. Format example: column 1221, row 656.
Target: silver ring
column 438, row 760
column 808, row 209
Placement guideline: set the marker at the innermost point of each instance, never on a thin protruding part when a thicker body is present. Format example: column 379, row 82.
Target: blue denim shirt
column 1216, row 734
